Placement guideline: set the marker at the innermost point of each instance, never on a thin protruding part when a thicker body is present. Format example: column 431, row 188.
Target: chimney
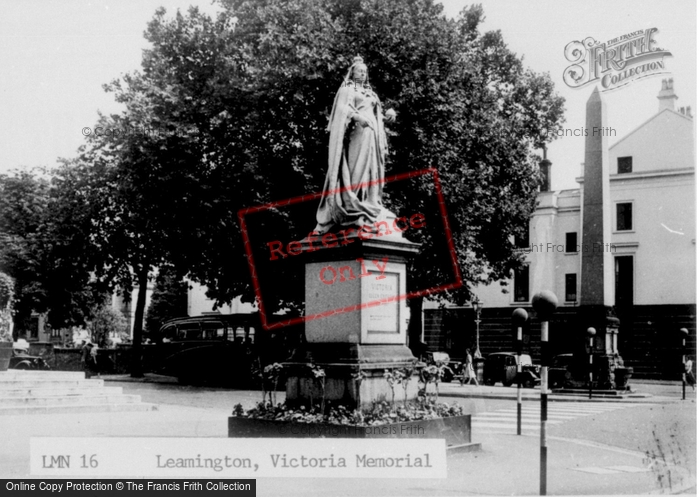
column 545, row 175
column 667, row 97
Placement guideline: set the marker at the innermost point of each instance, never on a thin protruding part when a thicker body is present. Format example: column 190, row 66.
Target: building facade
column 652, row 243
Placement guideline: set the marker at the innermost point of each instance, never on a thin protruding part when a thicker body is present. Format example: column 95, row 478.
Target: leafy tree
column 230, row 112
column 168, row 301
column 24, row 199
column 42, row 245
column 106, row 322
column 252, row 105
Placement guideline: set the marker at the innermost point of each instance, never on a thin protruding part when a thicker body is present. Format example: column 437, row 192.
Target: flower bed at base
column 412, row 420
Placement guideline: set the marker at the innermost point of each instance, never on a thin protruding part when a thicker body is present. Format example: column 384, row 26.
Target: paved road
column 600, row 448
column 596, row 448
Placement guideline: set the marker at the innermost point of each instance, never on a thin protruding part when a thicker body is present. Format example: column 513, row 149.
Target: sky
column 55, row 55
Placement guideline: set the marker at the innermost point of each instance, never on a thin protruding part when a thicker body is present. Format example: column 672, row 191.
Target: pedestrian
column 93, row 359
column 689, row 377
column 469, row 373
column 88, row 358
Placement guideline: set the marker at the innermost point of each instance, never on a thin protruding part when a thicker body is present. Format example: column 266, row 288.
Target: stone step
column 72, row 400
column 22, row 373
column 77, row 408
column 50, row 383
column 41, row 391
column 46, row 392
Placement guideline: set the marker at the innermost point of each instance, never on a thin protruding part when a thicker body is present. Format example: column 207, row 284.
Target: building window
column 624, row 216
column 624, row 281
column 572, row 242
column 521, row 284
column 624, row 165
column 570, row 287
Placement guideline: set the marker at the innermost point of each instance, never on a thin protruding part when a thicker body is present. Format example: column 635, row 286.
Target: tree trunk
column 415, row 325
column 137, row 347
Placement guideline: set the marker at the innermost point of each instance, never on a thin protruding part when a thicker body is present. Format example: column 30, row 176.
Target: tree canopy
column 239, row 104
column 229, row 112
column 43, row 222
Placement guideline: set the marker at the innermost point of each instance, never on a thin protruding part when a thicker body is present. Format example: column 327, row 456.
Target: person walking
column 86, row 358
column 689, row 377
column 469, row 373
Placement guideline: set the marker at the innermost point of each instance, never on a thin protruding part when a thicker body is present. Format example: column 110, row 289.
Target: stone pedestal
column 606, row 358
column 357, row 321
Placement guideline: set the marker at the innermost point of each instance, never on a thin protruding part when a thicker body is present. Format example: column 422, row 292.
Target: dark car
column 502, row 367
column 22, row 360
column 222, row 349
column 559, row 374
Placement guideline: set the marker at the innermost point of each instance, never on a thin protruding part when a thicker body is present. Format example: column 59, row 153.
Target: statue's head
column 358, row 71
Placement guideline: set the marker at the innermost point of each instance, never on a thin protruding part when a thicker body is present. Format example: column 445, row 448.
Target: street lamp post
column 684, row 334
column 544, row 304
column 519, row 318
column 477, row 305
column 591, row 334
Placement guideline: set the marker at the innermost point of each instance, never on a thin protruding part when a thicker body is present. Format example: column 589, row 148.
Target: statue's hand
column 390, row 116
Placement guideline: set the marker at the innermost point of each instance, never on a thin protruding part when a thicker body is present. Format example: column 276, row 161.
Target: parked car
column 559, row 375
column 501, row 367
column 22, row 360
column 219, row 349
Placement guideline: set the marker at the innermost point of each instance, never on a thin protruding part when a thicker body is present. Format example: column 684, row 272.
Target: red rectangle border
column 457, row 283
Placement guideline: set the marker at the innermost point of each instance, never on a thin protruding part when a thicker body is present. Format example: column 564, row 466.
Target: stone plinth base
column 340, row 362
column 606, row 359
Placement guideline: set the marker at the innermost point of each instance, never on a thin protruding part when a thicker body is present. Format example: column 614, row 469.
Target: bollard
column 519, row 318
column 544, row 304
column 684, row 334
column 591, row 334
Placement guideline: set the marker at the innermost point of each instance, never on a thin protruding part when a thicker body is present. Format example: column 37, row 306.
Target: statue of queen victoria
column 356, row 154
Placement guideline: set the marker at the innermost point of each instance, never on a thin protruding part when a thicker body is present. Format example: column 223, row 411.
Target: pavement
column 642, row 391
column 639, row 393
column 507, row 464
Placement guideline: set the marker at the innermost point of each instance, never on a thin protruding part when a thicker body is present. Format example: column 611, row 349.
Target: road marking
column 630, row 469
column 505, row 420
column 483, row 426
column 597, row 471
column 511, row 413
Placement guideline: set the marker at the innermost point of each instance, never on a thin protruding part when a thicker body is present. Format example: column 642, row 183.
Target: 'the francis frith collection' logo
column 616, row 62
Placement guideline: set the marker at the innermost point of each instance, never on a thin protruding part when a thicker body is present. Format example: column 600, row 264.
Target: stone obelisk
column 597, row 297
column 596, row 258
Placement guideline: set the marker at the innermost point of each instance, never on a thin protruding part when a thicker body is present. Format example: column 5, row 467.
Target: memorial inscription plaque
column 383, row 318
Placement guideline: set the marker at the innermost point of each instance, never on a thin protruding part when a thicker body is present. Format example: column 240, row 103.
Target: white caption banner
column 239, row 457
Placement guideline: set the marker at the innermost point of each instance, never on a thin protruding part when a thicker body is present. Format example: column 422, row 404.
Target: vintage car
column 22, row 360
column 502, row 367
column 219, row 349
column 559, row 375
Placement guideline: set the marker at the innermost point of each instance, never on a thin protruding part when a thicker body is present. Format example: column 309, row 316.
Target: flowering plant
column 381, row 412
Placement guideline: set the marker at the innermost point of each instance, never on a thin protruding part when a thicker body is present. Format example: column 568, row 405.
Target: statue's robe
column 356, row 154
